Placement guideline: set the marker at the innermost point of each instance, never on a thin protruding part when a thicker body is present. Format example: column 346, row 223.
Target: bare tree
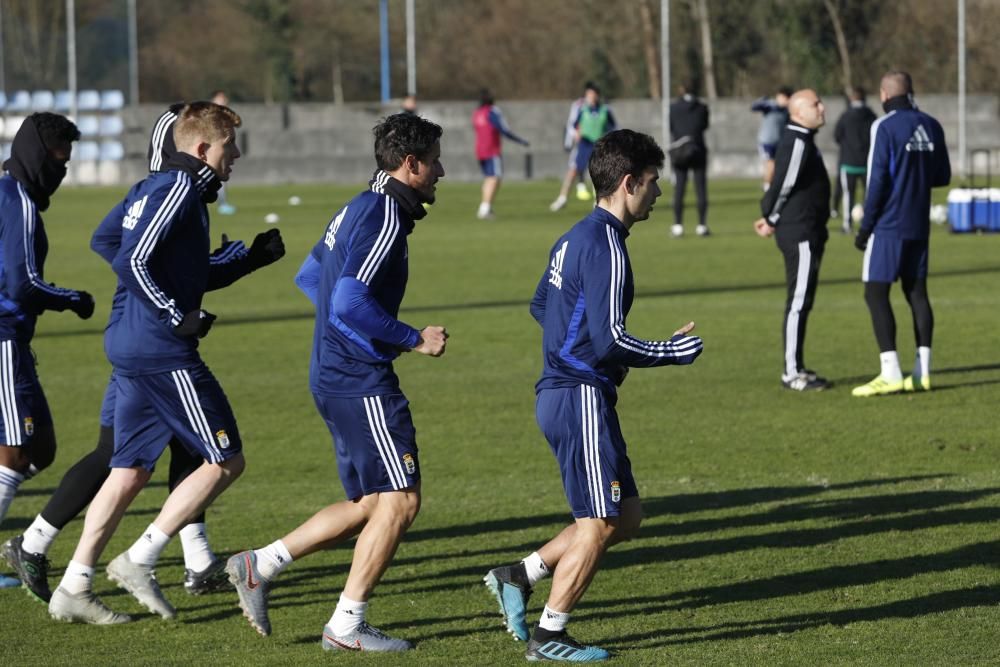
column 649, row 48
column 845, row 55
column 700, row 9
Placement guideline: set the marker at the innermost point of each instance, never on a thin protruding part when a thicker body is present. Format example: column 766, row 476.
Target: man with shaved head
column 796, row 207
column 907, row 158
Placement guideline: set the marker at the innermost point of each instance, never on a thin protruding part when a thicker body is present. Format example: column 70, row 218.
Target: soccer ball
column 939, row 214
column 294, row 200
column 857, row 213
column 271, row 218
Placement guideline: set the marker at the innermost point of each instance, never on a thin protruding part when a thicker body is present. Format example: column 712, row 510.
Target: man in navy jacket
column 907, row 158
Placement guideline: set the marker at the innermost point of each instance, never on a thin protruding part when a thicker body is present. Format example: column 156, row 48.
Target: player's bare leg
column 106, row 511
column 330, row 526
column 379, row 540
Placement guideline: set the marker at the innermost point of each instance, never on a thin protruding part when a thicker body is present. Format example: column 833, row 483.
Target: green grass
column 781, row 529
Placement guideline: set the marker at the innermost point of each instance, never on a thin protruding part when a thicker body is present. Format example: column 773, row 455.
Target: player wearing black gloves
column 36, row 167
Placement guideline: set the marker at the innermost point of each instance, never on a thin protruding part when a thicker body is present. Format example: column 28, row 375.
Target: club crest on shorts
column 29, row 425
column 223, row 439
column 411, row 465
column 616, row 492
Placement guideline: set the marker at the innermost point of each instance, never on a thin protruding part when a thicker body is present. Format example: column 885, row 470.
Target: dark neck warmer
column 899, row 102
column 32, row 166
column 408, row 199
column 204, row 177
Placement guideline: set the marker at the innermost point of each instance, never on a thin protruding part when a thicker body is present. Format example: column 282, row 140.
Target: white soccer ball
column 294, row 200
column 271, row 218
column 857, row 213
column 939, row 214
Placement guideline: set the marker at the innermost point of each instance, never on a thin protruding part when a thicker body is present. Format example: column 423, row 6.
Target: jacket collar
column 605, row 217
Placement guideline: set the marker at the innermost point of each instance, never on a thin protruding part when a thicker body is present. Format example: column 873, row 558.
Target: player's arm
column 788, row 164
column 603, row 291
column 762, row 105
column 24, row 276
column 839, row 129
column 706, row 118
column 537, row 307
column 307, row 279
column 612, row 124
column 140, row 244
column 107, row 238
column 879, row 183
column 942, row 163
column 367, row 262
column 233, row 260
column 500, row 124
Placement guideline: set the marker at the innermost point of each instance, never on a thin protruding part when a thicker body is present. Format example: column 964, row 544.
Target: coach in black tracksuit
column 796, row 208
column 688, row 122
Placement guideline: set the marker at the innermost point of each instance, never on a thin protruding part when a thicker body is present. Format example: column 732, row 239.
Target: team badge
column 616, row 492
column 222, row 438
column 411, row 465
column 29, row 425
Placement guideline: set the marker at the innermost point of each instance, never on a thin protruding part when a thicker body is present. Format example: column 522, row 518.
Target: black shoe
column 563, row 648
column 212, row 578
column 31, row 569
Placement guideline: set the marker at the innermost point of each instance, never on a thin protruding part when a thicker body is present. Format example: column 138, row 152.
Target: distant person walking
column 853, row 134
column 908, row 157
column 573, row 175
column 688, row 153
column 772, row 125
column 489, row 124
column 795, row 209
column 593, row 121
column 225, row 208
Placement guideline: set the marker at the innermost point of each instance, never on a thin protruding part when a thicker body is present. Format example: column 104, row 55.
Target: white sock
column 39, row 536
column 922, row 366
column 552, row 620
column 484, row 208
column 536, row 568
column 77, row 578
column 348, row 616
column 149, row 546
column 197, row 554
column 272, row 559
column 9, row 481
column 890, row 366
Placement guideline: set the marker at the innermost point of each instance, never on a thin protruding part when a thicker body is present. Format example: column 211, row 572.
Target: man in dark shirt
column 853, row 134
column 688, row 122
column 795, row 209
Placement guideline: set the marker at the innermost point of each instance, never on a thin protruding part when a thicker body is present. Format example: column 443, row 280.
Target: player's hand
column 267, row 248
column 762, row 228
column 861, row 240
column 684, row 330
column 432, row 341
column 84, row 306
column 196, row 323
column 618, row 374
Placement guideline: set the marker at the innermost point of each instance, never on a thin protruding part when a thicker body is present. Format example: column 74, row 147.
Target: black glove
column 84, row 306
column 196, row 323
column 861, row 240
column 267, row 248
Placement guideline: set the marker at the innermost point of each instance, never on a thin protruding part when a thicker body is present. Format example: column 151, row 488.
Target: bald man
column 907, row 158
column 796, row 208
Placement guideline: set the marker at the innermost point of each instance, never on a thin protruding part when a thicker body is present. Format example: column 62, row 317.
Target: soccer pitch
column 781, row 528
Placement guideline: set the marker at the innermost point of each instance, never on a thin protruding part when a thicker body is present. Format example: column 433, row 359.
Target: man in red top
column 489, row 124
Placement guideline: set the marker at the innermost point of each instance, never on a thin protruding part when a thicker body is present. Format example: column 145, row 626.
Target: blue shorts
column 584, row 434
column 22, row 401
column 374, row 442
column 108, row 404
column 767, row 151
column 887, row 259
column 583, row 150
column 492, row 166
column 187, row 404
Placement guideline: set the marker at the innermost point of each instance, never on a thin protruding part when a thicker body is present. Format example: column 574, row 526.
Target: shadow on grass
column 956, row 370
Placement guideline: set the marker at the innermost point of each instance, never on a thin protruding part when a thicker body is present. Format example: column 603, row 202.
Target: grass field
column 781, row 529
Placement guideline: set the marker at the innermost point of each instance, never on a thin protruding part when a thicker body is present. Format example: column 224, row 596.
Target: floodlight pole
column 3, row 77
column 665, row 72
column 133, row 54
column 962, row 147
column 71, row 55
column 411, row 50
column 383, row 24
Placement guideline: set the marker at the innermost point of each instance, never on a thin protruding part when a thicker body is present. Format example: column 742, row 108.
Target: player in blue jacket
column 28, row 552
column 163, row 387
column 581, row 303
column 908, row 157
column 37, row 165
column 356, row 276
